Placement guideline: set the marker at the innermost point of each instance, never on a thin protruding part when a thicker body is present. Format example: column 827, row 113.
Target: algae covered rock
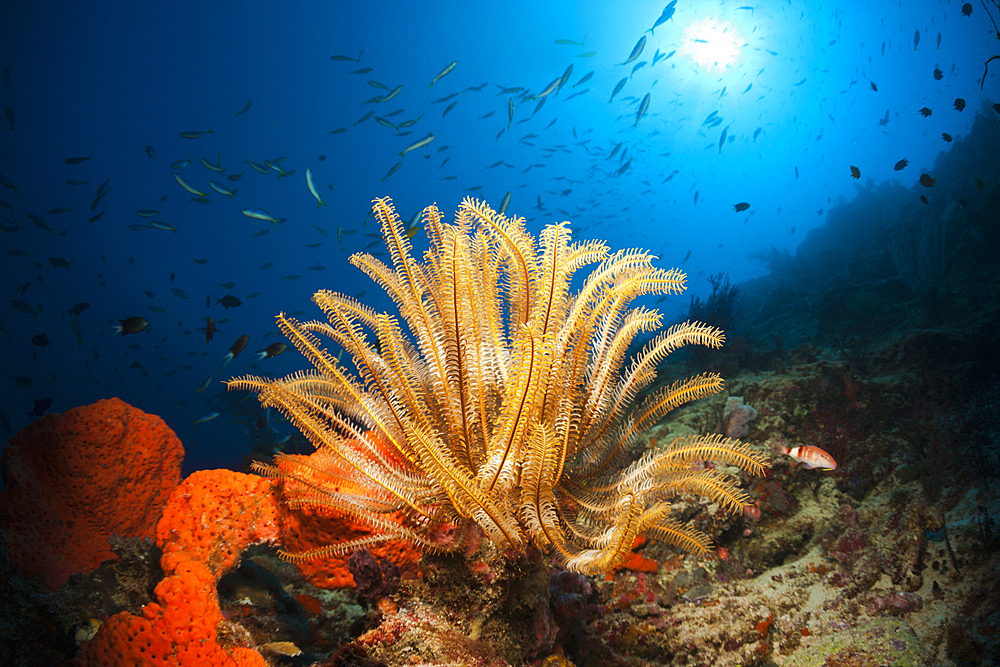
column 884, row 641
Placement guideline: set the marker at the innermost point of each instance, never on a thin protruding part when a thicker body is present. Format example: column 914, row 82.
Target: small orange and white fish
column 809, row 456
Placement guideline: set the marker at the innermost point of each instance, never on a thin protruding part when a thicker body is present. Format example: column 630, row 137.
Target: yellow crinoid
column 506, row 401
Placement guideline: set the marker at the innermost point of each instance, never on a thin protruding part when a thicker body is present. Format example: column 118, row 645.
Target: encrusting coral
column 507, row 405
column 72, row 480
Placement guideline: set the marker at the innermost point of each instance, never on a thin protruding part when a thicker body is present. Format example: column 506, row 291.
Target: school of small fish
column 423, row 140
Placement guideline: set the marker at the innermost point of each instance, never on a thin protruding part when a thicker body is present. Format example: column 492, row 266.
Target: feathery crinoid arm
column 530, row 360
column 643, row 369
column 538, row 478
column 680, row 535
column 727, row 451
column 519, row 248
column 467, row 494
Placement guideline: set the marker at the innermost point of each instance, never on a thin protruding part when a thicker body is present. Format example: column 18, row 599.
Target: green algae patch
column 884, row 641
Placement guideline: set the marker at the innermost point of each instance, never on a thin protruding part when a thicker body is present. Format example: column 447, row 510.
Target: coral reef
column 74, row 479
column 891, row 559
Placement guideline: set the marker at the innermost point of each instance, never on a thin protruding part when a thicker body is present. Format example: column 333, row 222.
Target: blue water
column 106, row 80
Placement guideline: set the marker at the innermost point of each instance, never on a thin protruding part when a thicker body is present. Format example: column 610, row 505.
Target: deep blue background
column 107, row 79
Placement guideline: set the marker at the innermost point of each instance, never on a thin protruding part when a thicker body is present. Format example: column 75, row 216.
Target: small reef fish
column 131, row 325
column 235, row 350
column 392, row 170
column 312, row 188
column 618, row 87
column 209, row 329
column 392, row 93
column 222, row 189
column 207, row 417
column 548, row 89
column 229, row 301
column 213, row 167
column 504, row 203
column 855, row 172
column 417, row 144
column 272, row 350
column 261, row 214
column 809, row 456
column 901, row 164
column 190, row 188
column 927, row 181
column 23, row 307
column 196, row 135
column 162, row 226
column 667, row 14
column 447, row 70
column 742, row 206
column 348, row 58
column 636, row 50
column 643, row 106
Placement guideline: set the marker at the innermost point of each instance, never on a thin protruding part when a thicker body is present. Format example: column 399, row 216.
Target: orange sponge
column 210, row 518
column 179, row 631
column 71, row 480
column 214, row 514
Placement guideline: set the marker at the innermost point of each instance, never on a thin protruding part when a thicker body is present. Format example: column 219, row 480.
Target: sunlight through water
column 712, row 44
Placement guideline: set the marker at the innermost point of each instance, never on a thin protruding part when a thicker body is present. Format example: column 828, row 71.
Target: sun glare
column 712, row 44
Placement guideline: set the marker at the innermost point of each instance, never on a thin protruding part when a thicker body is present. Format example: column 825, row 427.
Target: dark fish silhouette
column 855, row 172
column 41, row 405
column 235, row 350
column 667, row 14
column 229, row 301
column 131, row 325
column 636, row 50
